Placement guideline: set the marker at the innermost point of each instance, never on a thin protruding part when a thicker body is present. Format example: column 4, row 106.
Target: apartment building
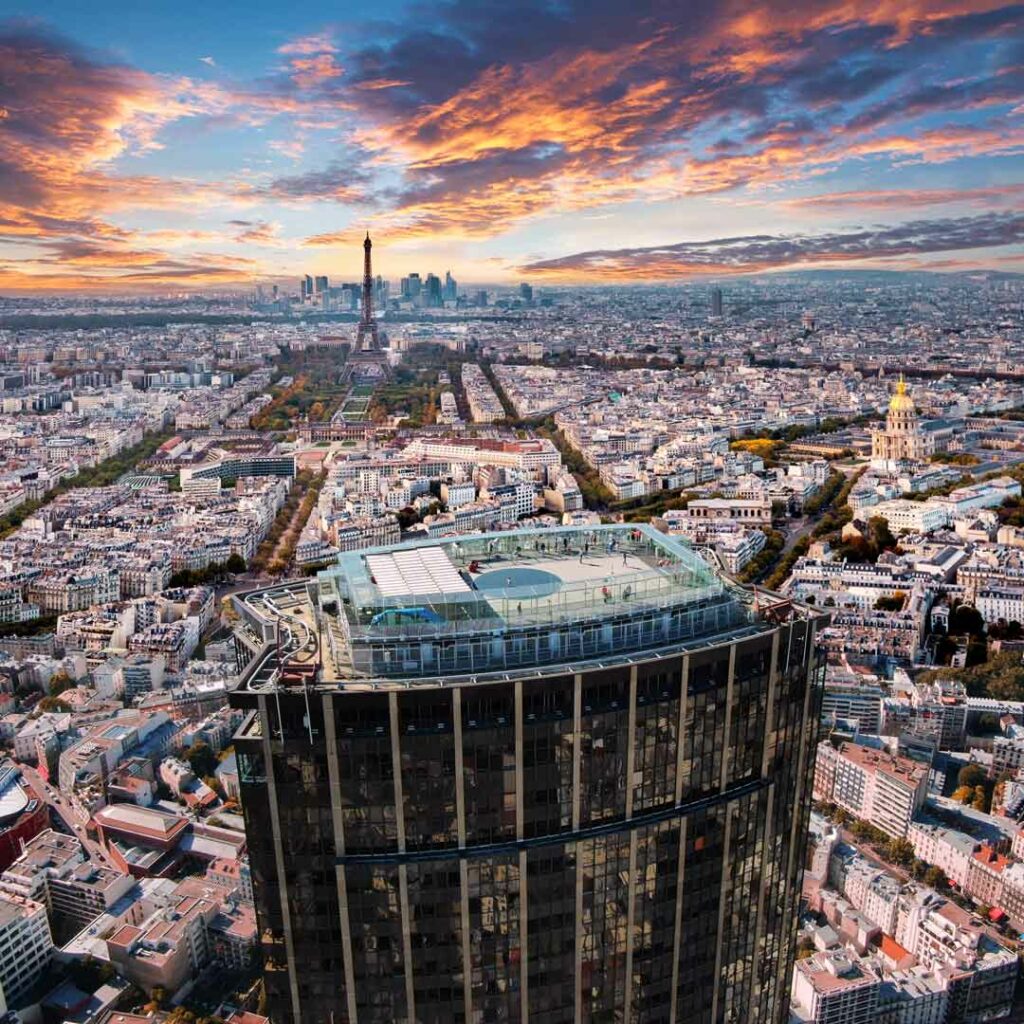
column 946, row 848
column 836, row 987
column 53, row 870
column 26, row 945
column 883, row 789
column 984, row 882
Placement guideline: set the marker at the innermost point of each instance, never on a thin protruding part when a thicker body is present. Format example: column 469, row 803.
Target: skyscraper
column 716, row 301
column 451, row 287
column 526, row 292
column 542, row 776
column 320, row 284
column 432, row 286
column 306, row 285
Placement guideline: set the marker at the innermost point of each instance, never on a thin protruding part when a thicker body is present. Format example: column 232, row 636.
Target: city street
column 63, row 810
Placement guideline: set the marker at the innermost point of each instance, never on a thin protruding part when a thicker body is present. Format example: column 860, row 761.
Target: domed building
column 902, row 440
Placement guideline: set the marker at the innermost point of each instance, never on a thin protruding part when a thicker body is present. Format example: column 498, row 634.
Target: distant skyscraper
column 320, row 284
column 433, row 290
column 526, row 292
column 563, row 790
column 307, row 288
column 451, row 287
column 412, row 287
column 481, row 298
column 716, row 301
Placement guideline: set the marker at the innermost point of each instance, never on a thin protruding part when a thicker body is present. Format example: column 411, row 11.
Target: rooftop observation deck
column 535, row 601
column 512, row 580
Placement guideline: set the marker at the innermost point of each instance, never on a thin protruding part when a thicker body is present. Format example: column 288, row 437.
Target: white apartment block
column 834, row 987
column 1001, row 603
column 25, row 945
column 946, row 848
column 914, row 516
column 859, row 703
column 878, row 787
column 1007, row 755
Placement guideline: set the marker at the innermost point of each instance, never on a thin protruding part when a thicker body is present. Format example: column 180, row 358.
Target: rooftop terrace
column 494, row 603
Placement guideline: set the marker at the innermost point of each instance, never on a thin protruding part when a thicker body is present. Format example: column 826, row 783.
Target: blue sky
column 168, row 147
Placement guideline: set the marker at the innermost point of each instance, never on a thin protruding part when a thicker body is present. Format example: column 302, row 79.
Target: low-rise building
column 946, row 848
column 834, row 987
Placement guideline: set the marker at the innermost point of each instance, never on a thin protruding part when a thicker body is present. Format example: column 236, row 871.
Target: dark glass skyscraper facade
column 613, row 839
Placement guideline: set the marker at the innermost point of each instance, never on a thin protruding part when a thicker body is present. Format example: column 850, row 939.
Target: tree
column 966, row 620
column 900, row 851
column 981, row 800
column 880, row 537
column 235, row 563
column 963, row 794
column 971, row 775
column 804, row 947
column 201, row 758
column 936, row 878
column 53, row 704
column 60, row 682
column 987, row 723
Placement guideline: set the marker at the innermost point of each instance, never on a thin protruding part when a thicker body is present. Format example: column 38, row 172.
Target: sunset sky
column 177, row 146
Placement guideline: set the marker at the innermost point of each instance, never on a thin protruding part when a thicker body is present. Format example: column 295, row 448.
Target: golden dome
column 901, row 401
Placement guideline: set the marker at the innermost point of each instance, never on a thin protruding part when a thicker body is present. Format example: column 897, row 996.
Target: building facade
column 587, row 839
column 902, row 440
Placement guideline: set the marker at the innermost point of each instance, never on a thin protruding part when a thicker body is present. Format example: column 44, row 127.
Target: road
column 866, row 851
column 62, row 808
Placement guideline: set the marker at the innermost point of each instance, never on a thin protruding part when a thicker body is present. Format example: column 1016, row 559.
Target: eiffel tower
column 367, row 337
column 368, row 360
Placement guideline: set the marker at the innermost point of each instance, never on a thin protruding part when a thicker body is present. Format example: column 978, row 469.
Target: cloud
column 469, row 123
column 312, row 60
column 68, row 118
column 582, row 104
column 256, row 232
column 320, row 42
column 904, row 198
column 292, row 148
column 345, row 179
column 759, row 253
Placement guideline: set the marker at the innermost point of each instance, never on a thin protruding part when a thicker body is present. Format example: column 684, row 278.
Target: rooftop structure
column 498, row 602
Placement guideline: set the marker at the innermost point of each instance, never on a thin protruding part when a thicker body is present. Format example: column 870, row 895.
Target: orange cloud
column 587, row 126
column 902, row 198
column 312, row 60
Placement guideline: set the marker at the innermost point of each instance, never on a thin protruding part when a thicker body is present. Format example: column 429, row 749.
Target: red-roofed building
column 895, row 956
column 23, row 813
column 883, row 789
column 985, row 876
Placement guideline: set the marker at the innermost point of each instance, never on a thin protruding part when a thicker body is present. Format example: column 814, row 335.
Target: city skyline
column 154, row 151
